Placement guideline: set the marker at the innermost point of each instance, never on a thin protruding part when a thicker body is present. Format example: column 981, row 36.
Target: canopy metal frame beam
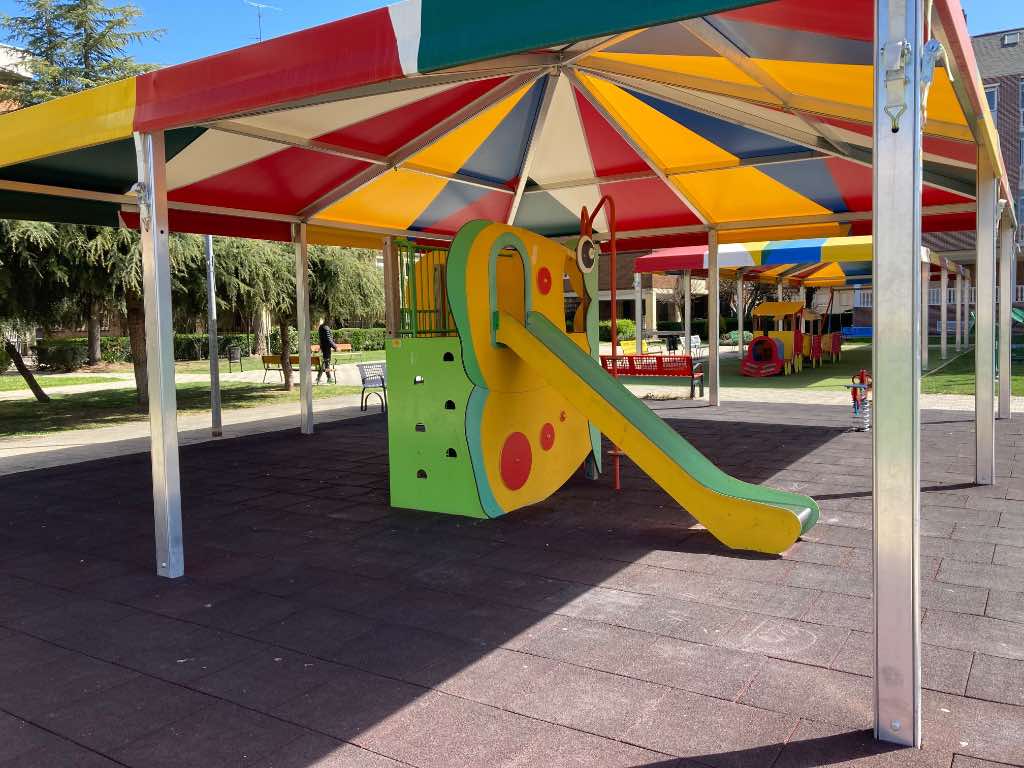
column 421, row 142
column 705, row 31
column 640, row 151
column 896, row 469
column 744, row 162
column 156, row 288
column 699, row 101
column 531, row 148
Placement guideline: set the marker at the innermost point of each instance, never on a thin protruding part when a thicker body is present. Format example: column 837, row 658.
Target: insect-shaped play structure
column 498, row 398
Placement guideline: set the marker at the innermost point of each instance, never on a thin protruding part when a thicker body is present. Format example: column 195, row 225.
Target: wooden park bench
column 273, row 363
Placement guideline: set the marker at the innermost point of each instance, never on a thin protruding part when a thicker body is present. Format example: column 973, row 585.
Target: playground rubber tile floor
column 317, row 627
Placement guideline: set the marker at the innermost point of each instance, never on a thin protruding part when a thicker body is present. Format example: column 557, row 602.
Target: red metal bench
column 657, row 365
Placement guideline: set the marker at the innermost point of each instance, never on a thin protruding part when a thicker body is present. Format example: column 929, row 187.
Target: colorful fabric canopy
column 409, row 120
column 812, row 263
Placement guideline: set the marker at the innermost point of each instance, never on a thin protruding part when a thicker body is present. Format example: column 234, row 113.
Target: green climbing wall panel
column 430, row 466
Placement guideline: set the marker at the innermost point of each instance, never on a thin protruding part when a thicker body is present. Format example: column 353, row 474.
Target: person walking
column 327, row 346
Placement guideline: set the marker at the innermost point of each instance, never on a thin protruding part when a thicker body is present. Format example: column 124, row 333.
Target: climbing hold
column 544, row 280
column 547, row 436
column 515, row 461
column 561, row 416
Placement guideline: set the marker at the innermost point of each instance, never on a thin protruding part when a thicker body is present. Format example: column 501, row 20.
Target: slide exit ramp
column 739, row 514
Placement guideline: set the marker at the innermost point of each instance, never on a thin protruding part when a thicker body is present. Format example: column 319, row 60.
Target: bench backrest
column 271, row 359
column 343, row 347
column 373, row 374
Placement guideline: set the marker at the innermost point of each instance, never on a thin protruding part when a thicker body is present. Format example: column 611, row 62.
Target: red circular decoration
column 547, row 436
column 516, row 461
column 544, row 280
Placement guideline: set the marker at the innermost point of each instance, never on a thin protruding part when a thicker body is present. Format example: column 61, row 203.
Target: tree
column 26, row 286
column 346, row 284
column 73, row 45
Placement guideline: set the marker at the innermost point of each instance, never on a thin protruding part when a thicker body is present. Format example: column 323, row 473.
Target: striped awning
column 812, row 263
column 414, row 119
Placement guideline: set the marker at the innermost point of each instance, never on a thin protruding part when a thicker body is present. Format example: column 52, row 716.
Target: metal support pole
column 217, row 428
column 778, row 297
column 943, row 313
column 302, row 311
column 967, row 309
column 1007, row 267
column 959, row 309
column 156, row 288
column 638, row 312
column 926, row 276
column 687, row 310
column 713, row 317
column 739, row 310
column 984, row 323
column 652, row 311
column 896, row 354
column 392, row 305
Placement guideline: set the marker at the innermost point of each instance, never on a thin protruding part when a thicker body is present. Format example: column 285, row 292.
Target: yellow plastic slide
column 739, row 514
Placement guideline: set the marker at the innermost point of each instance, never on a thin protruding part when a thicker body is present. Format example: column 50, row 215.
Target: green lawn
column 12, row 380
column 87, row 410
column 957, row 378
column 953, row 376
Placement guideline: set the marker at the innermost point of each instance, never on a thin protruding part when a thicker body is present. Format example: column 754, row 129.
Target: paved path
column 19, row 454
column 347, row 374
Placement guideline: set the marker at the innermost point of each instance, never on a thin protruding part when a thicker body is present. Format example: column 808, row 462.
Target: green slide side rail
column 677, row 448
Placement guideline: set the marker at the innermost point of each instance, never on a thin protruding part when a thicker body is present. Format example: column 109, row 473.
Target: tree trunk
column 260, row 327
column 286, row 355
column 26, row 374
column 95, row 354
column 137, row 340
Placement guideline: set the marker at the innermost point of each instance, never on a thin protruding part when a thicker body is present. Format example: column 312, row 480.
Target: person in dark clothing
column 327, row 346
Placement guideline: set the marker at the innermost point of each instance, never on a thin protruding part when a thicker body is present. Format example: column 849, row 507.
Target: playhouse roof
column 777, row 308
column 753, row 119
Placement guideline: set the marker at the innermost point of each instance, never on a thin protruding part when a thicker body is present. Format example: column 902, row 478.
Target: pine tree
column 72, row 45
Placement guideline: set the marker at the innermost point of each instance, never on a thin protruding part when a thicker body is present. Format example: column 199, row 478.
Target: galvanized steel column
column 778, row 297
column 943, row 312
column 687, row 310
column 739, row 309
column 959, row 308
column 1007, row 268
column 926, row 275
column 984, row 323
column 156, row 288
column 713, row 318
column 897, row 369
column 302, row 312
column 638, row 312
column 211, row 331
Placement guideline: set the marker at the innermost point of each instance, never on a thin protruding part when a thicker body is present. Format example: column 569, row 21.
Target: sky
column 196, row 28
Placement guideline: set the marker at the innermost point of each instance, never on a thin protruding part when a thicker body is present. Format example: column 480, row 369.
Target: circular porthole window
column 586, row 254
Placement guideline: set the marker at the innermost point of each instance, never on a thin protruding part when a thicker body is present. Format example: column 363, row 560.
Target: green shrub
column 625, row 329
column 62, row 354
column 732, row 337
column 5, row 361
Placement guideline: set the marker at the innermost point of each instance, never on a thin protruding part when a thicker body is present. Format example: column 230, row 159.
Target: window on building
column 1011, row 38
column 992, row 94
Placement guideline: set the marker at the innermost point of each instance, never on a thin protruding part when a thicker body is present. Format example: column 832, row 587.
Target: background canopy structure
column 810, row 263
column 409, row 120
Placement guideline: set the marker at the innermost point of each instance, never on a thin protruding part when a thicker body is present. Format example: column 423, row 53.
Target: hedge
column 625, row 330
column 5, row 361
column 61, row 354
column 361, row 339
